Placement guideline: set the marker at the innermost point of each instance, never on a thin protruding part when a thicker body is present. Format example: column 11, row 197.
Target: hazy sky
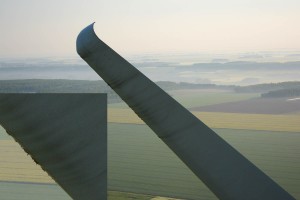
column 36, row 28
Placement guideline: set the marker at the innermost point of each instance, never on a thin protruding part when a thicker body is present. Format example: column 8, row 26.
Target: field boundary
column 264, row 122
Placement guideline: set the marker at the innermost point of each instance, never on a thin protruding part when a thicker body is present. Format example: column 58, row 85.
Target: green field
column 140, row 166
column 196, row 98
column 266, row 122
column 117, row 195
column 139, row 162
column 29, row 191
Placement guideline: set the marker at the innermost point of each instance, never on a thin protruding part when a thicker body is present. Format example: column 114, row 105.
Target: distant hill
column 223, row 64
column 240, row 72
column 58, row 86
column 267, row 87
column 168, row 85
column 84, row 86
column 292, row 92
column 245, row 65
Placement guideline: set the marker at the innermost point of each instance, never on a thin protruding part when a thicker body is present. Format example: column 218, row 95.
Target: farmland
column 142, row 163
column 140, row 166
column 195, row 98
column 31, row 191
column 289, row 123
column 139, row 162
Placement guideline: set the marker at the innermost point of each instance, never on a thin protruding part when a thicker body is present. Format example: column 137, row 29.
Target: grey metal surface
column 227, row 173
column 66, row 134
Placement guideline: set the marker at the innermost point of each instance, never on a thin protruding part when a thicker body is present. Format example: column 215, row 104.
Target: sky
column 36, row 28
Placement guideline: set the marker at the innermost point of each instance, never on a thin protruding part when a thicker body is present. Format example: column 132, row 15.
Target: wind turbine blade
column 224, row 170
column 64, row 133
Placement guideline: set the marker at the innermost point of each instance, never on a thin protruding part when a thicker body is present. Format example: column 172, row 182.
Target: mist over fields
column 221, row 69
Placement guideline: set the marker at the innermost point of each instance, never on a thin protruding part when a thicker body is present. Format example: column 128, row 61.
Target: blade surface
column 227, row 173
column 64, row 133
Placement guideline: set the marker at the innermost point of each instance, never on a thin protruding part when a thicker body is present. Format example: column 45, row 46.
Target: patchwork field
column 140, row 166
column 139, row 163
column 37, row 191
column 195, row 98
column 289, row 123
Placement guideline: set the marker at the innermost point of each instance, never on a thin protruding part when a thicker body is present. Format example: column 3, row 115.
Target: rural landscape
column 234, row 65
column 261, row 121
